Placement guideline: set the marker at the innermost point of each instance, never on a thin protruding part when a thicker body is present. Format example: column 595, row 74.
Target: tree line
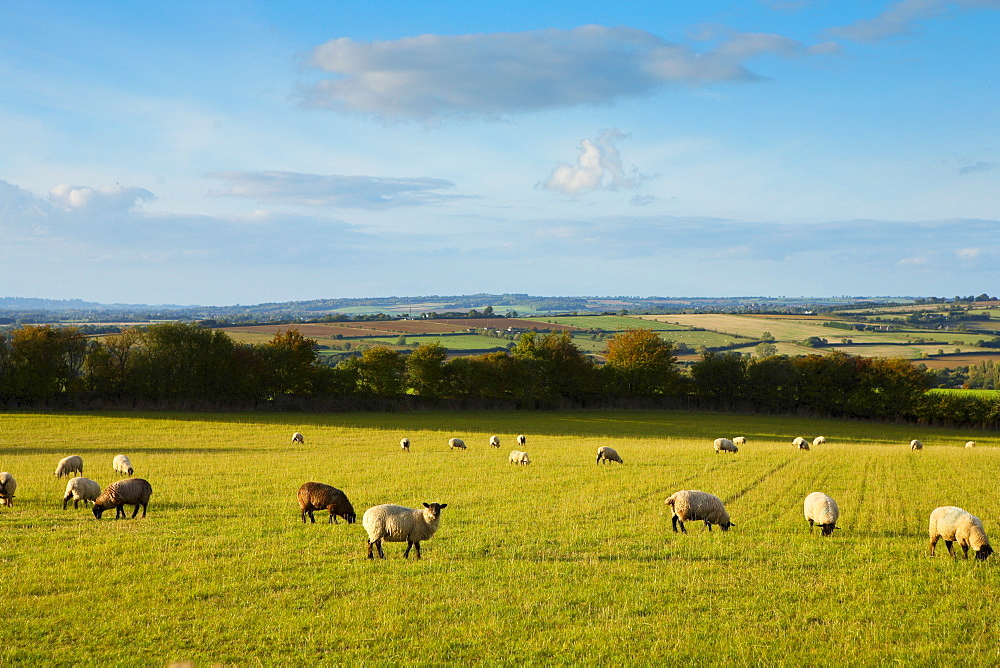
column 185, row 365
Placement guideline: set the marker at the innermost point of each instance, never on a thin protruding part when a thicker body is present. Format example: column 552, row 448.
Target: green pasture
column 560, row 562
column 451, row 342
column 609, row 323
column 986, row 394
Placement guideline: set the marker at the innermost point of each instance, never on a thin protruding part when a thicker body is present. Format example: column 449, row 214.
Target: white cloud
column 109, row 199
column 901, row 16
column 598, row 167
column 431, row 77
column 364, row 192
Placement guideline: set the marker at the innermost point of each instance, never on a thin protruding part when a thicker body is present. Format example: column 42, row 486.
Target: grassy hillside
column 560, row 562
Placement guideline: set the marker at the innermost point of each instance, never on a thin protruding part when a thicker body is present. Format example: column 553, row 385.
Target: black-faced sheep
column 521, row 439
column 725, row 445
column 7, row 488
column 495, row 441
column 404, row 444
column 317, row 496
column 953, row 523
column 397, row 524
column 800, row 443
column 692, row 505
column 122, row 465
column 740, row 440
column 456, row 444
column 130, row 491
column 69, row 465
column 81, row 489
column 518, row 457
column 297, row 437
column 819, row 440
column 916, row 445
column 606, row 454
column 822, row 510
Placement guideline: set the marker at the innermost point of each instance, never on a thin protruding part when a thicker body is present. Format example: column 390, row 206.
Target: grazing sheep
column 131, row 491
column 81, row 489
column 297, row 437
column 819, row 440
column 456, row 443
column 521, row 439
column 690, row 504
column 518, row 457
column 800, row 443
column 916, row 445
column 69, row 465
column 122, row 465
column 495, row 441
column 725, row 445
column 404, row 444
column 396, row 524
column 822, row 510
column 970, row 444
column 7, row 487
column 317, row 496
column 740, row 440
column 952, row 523
column 606, row 454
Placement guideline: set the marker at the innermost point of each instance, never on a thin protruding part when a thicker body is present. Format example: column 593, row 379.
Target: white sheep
column 725, row 445
column 740, row 440
column 692, row 505
column 822, row 510
column 454, row 443
column 495, row 441
column 69, row 465
column 397, row 524
column 953, row 523
column 970, row 444
column 819, row 440
column 521, row 439
column 122, row 465
column 518, row 457
column 800, row 443
column 81, row 489
column 7, row 488
column 916, row 445
column 297, row 437
column 606, row 454
column 404, row 444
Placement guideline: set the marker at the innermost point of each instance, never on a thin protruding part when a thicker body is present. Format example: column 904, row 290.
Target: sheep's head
column 435, row 509
column 984, row 552
column 828, row 529
column 350, row 517
column 725, row 526
column 98, row 511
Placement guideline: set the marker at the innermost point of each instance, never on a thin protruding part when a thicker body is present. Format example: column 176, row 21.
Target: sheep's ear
column 443, row 505
column 427, row 505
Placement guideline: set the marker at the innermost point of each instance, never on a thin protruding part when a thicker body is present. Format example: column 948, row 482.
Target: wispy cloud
column 432, row 77
column 975, row 167
column 900, row 18
column 598, row 167
column 313, row 190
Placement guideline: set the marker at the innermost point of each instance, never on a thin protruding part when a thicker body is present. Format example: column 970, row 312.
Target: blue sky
column 245, row 152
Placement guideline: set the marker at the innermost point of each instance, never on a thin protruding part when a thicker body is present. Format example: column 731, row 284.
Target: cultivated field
column 559, row 562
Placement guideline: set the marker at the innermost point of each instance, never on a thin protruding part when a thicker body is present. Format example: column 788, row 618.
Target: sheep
column 7, row 487
column 396, row 524
column 690, row 504
column 606, row 454
column 725, row 445
column 454, row 443
column 131, row 491
column 952, row 523
column 68, row 466
column 404, row 444
column 122, row 465
column 739, row 440
column 297, row 437
column 317, row 496
column 970, row 444
column 495, row 441
column 81, row 489
column 518, row 457
column 822, row 510
column 800, row 443
column 916, row 445
column 521, row 439
column 819, row 440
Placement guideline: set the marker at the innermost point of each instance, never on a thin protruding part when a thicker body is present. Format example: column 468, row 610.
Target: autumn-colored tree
column 641, row 363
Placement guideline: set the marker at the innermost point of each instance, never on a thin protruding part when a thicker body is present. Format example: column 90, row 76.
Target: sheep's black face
column 725, row 527
column 983, row 553
column 350, row 517
column 98, row 511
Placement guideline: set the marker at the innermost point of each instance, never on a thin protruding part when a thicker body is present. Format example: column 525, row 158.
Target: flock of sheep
column 951, row 523
column 126, row 491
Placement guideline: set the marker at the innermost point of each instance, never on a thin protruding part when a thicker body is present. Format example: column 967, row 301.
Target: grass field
column 560, row 562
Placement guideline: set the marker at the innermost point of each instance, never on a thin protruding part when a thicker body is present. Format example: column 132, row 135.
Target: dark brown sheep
column 131, row 491
column 317, row 496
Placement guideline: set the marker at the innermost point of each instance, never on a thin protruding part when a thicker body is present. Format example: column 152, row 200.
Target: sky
column 217, row 153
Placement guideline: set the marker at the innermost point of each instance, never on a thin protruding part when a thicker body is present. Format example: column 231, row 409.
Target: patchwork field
column 559, row 562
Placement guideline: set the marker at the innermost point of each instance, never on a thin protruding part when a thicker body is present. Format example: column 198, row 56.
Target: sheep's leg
column 120, row 511
column 950, row 545
column 965, row 551
column 708, row 524
column 409, row 544
column 303, row 515
column 311, row 518
column 144, row 509
column 333, row 519
column 136, row 511
column 65, row 501
column 934, row 541
column 810, row 526
column 370, row 555
column 417, row 545
column 378, row 544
